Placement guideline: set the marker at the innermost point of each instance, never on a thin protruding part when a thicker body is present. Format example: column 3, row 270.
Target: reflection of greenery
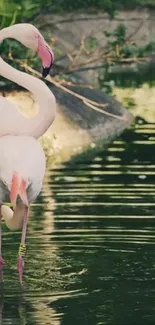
column 139, row 101
column 128, row 102
column 129, row 77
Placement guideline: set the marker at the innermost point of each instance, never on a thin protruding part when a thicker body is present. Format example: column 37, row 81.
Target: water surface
column 91, row 242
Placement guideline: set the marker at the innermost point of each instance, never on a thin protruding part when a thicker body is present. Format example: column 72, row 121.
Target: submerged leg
column 1, row 258
column 22, row 247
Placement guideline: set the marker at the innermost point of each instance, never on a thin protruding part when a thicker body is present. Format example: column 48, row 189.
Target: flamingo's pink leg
column 22, row 247
column 1, row 258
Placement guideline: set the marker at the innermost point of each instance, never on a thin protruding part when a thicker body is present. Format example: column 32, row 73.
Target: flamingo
column 22, row 159
column 11, row 121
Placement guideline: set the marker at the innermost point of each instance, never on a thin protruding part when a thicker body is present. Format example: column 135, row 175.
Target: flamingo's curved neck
column 37, row 125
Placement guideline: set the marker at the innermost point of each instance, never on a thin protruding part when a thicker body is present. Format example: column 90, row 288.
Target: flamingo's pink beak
column 46, row 55
column 18, row 187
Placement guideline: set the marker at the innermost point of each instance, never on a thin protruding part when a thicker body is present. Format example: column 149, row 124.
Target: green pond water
column 91, row 242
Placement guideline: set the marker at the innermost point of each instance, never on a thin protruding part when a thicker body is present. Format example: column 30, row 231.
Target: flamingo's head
column 30, row 37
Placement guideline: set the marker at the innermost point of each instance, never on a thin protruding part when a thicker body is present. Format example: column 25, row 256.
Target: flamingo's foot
column 1, row 268
column 20, row 266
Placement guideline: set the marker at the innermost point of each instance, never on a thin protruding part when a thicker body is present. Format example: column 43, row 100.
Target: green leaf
column 93, row 43
column 120, row 33
column 106, row 33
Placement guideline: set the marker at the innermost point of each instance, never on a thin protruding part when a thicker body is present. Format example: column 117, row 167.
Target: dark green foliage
column 121, row 47
column 12, row 11
column 120, row 33
column 109, row 6
column 121, row 51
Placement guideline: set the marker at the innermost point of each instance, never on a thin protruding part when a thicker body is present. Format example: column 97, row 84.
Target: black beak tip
column 45, row 72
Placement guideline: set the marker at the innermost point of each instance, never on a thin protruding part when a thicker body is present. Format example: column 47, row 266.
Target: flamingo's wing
column 9, row 117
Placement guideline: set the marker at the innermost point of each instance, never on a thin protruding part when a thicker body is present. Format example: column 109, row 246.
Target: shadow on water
column 91, row 241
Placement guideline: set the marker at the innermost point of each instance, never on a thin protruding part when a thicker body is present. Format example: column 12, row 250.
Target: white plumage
column 24, row 155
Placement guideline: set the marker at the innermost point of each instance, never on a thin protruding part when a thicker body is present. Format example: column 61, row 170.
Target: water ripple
column 91, row 237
